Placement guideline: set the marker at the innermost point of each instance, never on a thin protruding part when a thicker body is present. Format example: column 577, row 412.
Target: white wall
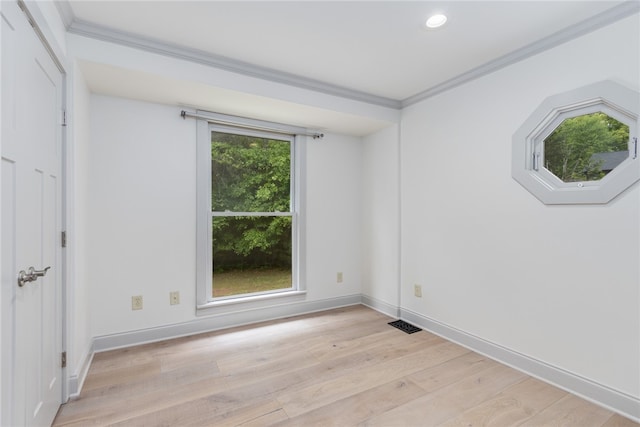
column 141, row 215
column 559, row 284
column 78, row 191
column 334, row 212
column 141, row 222
column 381, row 219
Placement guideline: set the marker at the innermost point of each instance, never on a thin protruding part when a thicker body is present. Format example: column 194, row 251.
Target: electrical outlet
column 339, row 277
column 136, row 302
column 174, row 298
column 417, row 290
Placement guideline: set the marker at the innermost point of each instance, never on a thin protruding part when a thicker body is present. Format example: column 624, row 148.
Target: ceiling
column 378, row 51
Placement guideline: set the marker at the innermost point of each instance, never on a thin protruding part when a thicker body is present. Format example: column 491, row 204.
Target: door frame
column 43, row 32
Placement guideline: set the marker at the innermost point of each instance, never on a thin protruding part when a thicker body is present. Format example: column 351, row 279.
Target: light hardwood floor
column 343, row 367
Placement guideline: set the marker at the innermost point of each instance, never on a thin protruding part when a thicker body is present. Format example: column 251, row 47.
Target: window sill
column 248, row 301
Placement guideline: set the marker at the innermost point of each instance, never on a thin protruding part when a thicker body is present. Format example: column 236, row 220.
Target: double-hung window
column 248, row 211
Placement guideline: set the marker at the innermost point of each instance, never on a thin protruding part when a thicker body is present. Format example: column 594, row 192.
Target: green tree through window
column 586, row 148
column 252, row 221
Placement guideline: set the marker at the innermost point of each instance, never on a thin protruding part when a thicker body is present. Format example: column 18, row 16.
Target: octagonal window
column 580, row 146
column 586, row 148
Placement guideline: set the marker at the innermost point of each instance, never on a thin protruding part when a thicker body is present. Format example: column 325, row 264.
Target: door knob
column 30, row 275
column 38, row 273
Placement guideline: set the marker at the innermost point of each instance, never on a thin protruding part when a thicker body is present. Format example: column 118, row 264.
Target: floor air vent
column 404, row 326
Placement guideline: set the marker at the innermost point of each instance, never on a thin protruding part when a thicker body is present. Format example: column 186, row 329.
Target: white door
column 31, row 224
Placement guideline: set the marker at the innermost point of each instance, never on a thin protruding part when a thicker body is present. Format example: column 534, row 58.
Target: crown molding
column 98, row 32
column 608, row 17
column 87, row 29
column 65, row 12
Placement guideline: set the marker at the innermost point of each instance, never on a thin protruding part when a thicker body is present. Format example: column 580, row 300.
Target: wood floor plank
column 124, row 375
column 297, row 371
column 294, row 375
column 511, row 407
column 451, row 371
column 220, row 409
column 266, row 420
column 317, row 395
column 263, row 414
column 445, row 403
column 106, row 410
column 314, row 345
column 619, row 421
column 118, row 359
column 570, row 411
column 329, row 349
column 169, row 379
column 340, row 367
column 203, row 357
column 359, row 407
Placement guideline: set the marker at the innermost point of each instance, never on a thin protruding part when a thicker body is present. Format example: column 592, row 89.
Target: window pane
column 249, row 174
column 586, row 148
column 251, row 254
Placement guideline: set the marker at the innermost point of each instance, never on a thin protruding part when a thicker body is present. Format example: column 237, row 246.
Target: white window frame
column 205, row 303
column 611, row 98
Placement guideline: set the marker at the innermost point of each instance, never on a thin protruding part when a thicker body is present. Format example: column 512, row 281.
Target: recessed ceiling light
column 436, row 21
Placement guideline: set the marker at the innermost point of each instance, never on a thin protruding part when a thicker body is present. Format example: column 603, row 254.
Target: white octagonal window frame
column 613, row 99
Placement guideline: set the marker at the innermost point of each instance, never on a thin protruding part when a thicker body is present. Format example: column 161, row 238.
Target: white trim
column 66, row 12
column 299, row 206
column 261, row 214
column 203, row 208
column 614, row 400
column 44, row 33
column 76, row 381
column 222, row 321
column 381, row 306
column 246, row 299
column 400, row 220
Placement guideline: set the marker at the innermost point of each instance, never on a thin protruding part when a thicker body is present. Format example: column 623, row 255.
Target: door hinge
column 64, row 117
column 63, row 361
column 63, row 239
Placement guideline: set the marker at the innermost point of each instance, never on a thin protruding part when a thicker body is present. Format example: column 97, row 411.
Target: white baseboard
column 76, row 381
column 622, row 403
column 217, row 322
column 381, row 306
